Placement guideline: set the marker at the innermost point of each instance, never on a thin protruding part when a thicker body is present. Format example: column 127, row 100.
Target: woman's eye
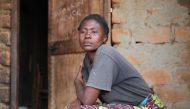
column 94, row 32
column 82, row 31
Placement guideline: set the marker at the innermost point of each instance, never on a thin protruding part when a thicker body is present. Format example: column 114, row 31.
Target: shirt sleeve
column 101, row 75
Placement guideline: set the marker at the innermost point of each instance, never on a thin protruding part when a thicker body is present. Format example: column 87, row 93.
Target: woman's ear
column 105, row 38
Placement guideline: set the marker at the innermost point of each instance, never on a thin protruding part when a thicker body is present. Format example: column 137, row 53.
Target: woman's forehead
column 91, row 23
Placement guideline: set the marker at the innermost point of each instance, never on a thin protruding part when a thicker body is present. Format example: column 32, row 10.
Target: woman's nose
column 88, row 35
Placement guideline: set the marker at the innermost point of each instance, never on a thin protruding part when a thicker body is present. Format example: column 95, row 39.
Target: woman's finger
column 80, row 68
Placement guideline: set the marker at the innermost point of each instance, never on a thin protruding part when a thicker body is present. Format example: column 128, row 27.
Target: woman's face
column 91, row 36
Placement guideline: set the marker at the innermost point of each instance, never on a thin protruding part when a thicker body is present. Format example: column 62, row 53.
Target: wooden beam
column 14, row 55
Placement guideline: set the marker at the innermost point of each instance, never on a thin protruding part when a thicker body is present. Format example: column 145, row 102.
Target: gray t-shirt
column 118, row 80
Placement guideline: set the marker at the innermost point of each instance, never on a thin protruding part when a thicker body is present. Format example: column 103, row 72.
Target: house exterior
column 154, row 35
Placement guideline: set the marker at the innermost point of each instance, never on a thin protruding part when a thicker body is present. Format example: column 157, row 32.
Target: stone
column 154, row 35
column 4, row 74
column 182, row 34
column 157, row 76
column 4, row 94
column 5, row 57
column 5, row 37
column 172, row 94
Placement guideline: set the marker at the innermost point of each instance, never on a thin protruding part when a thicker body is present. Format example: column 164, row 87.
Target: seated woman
column 107, row 75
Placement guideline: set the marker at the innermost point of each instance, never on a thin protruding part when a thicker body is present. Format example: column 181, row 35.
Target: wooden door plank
column 63, row 71
column 64, row 19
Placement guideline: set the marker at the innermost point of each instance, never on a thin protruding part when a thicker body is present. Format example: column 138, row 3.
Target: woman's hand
column 87, row 95
column 79, row 77
column 75, row 104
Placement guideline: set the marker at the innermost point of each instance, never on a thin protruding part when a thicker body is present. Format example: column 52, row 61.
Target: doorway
column 33, row 73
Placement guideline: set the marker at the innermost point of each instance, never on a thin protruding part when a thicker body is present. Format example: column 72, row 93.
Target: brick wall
column 5, row 12
column 154, row 35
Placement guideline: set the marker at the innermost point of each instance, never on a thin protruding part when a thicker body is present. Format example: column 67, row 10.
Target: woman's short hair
column 99, row 19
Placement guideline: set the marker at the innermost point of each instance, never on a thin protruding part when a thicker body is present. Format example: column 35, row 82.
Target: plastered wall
column 154, row 35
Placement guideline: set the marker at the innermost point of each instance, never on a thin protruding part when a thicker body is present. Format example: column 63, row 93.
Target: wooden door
column 64, row 52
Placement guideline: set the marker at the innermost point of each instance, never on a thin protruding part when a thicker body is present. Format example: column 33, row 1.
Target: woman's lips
column 87, row 44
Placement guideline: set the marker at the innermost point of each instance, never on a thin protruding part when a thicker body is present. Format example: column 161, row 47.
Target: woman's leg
column 153, row 102
column 106, row 106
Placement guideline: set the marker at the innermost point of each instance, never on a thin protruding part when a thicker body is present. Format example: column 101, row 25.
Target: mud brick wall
column 154, row 35
column 5, row 14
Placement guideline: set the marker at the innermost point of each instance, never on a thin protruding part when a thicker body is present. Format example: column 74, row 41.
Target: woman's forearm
column 86, row 95
column 80, row 88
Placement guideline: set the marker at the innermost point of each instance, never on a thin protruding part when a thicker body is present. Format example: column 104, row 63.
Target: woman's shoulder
column 109, row 51
column 106, row 49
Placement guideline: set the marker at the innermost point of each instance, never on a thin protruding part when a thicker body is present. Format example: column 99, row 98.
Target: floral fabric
column 151, row 102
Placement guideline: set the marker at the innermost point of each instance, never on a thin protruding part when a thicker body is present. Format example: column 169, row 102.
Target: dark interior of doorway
column 33, row 76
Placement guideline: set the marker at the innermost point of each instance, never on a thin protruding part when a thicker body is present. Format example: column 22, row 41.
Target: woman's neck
column 91, row 56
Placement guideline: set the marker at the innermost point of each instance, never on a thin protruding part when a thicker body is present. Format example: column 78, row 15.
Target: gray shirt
column 118, row 80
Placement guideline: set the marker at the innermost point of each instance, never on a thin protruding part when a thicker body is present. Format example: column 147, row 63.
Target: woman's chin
column 88, row 49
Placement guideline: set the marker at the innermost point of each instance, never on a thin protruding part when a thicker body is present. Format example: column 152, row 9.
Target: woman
column 107, row 75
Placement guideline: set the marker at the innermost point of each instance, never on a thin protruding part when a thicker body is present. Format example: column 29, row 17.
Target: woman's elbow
column 87, row 102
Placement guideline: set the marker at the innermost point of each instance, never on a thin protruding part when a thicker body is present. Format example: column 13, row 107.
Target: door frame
column 14, row 68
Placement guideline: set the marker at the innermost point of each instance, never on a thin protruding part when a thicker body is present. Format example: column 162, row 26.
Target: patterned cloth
column 151, row 102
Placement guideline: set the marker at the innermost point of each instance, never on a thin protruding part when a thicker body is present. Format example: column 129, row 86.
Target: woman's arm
column 87, row 95
column 75, row 104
